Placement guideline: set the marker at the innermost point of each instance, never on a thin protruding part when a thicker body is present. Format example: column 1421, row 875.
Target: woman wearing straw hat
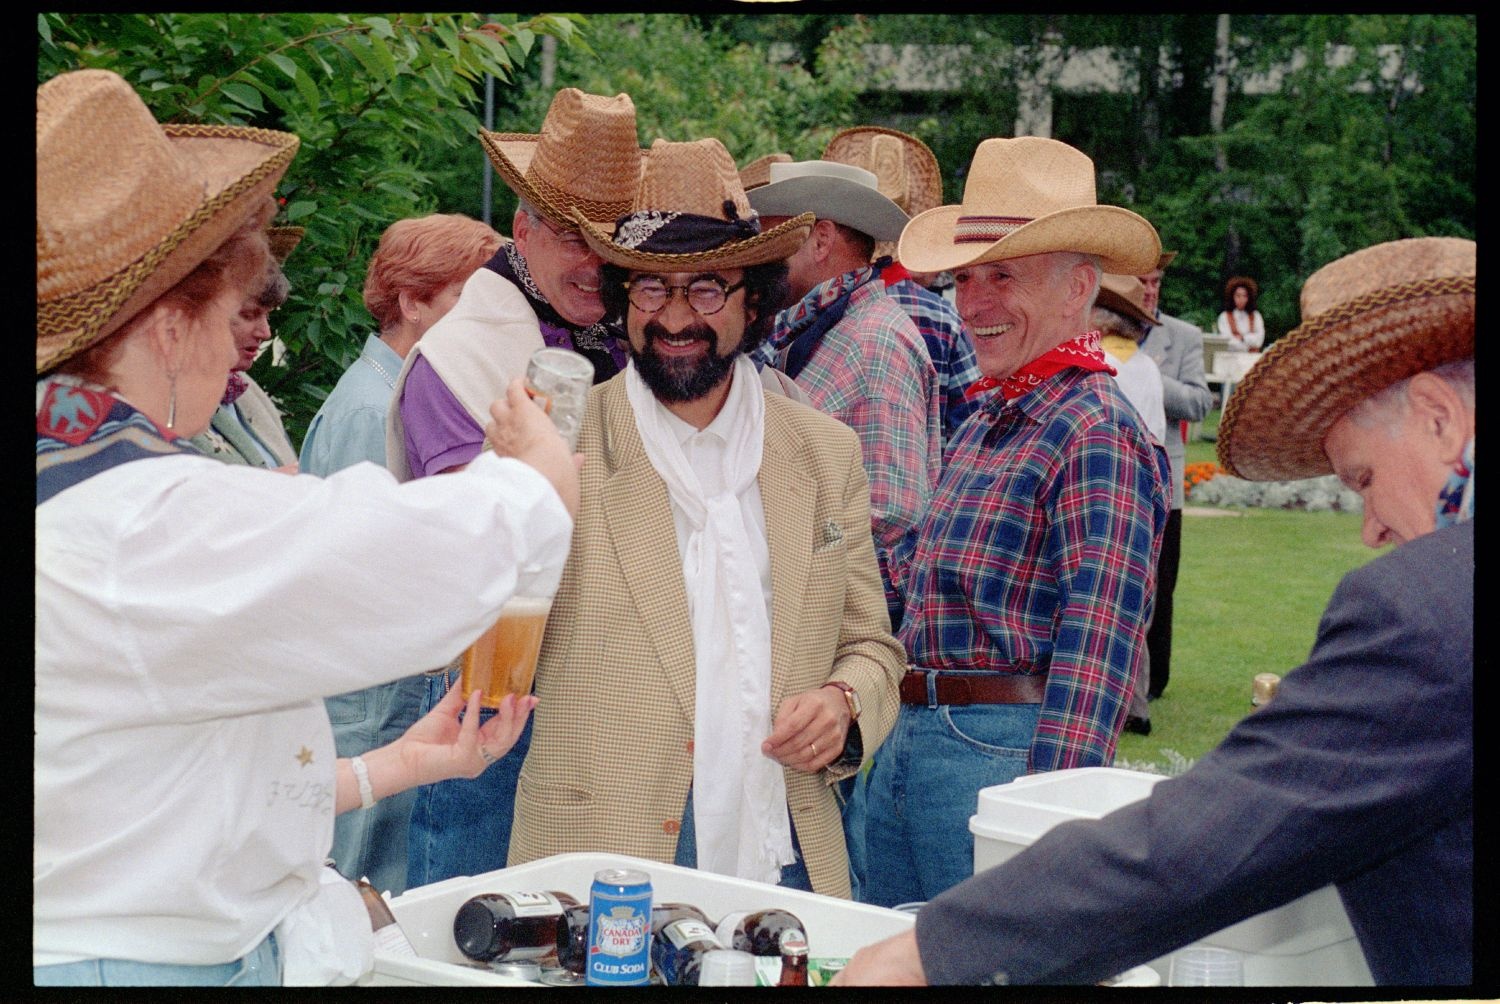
column 191, row 615
column 1360, row 771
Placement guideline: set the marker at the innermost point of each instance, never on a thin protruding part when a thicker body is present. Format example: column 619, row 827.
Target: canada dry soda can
column 619, row 929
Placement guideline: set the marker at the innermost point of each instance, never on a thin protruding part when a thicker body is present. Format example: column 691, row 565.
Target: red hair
column 420, row 256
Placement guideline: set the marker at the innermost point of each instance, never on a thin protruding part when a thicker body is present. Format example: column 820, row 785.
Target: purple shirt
column 439, row 432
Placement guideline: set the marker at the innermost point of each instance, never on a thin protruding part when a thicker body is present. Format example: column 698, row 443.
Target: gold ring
column 814, row 748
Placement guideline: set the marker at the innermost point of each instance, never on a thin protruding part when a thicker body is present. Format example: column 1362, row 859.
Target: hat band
column 1384, row 297
column 987, row 229
column 657, row 232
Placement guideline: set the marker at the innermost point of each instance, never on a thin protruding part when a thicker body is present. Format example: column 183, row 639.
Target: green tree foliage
column 382, row 104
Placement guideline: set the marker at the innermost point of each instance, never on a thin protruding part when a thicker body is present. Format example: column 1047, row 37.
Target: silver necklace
column 390, row 381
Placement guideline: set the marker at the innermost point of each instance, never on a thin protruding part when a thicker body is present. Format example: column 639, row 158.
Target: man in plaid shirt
column 1029, row 583
column 851, row 348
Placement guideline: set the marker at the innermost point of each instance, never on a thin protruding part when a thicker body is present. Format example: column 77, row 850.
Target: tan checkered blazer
column 611, row 755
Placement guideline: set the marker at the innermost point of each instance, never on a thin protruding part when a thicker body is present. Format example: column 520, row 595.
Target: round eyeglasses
column 706, row 295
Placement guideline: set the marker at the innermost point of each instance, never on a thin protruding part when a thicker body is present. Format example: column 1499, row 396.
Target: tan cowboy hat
column 758, row 171
column 126, row 207
column 1165, row 259
column 691, row 213
column 905, row 168
column 1125, row 295
column 1027, row 196
column 586, row 158
column 829, row 190
column 1369, row 319
column 283, row 241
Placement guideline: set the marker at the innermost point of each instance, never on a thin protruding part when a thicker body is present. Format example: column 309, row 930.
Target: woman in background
column 1239, row 321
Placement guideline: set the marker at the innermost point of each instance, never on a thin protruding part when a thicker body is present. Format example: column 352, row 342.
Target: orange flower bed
column 1195, row 474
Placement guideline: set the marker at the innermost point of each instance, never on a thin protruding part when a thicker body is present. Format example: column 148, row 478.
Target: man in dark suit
column 1360, row 771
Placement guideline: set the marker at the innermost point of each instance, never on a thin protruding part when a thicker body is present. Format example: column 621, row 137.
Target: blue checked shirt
column 948, row 344
column 1039, row 555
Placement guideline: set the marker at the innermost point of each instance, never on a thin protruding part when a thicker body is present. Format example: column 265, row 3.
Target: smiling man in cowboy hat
column 850, row 347
column 718, row 654
column 1360, row 772
column 1177, row 348
column 906, row 171
column 542, row 288
column 1029, row 584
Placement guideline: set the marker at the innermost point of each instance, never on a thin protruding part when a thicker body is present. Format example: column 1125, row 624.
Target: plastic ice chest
column 1307, row 942
column 836, row 928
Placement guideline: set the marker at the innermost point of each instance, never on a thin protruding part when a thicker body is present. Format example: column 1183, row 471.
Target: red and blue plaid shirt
column 1039, row 555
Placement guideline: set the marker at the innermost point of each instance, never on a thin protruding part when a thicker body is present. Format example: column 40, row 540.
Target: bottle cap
column 727, row 968
column 1264, row 688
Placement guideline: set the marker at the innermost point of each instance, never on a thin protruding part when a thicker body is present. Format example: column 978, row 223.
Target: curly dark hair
column 1250, row 287
column 766, row 289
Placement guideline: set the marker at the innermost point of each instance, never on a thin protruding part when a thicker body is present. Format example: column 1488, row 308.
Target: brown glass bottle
column 389, row 937
column 680, row 936
column 793, row 959
column 509, row 926
column 573, row 938
column 760, row 932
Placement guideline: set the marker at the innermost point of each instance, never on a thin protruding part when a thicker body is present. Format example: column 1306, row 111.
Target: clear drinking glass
column 1206, row 966
column 559, row 381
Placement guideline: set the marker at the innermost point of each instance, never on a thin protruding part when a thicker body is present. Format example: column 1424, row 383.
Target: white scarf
column 739, row 794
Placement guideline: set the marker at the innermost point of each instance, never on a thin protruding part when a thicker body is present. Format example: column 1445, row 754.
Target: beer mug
column 559, row 381
column 503, row 660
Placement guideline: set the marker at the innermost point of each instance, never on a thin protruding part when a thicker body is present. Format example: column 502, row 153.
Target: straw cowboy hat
column 586, row 158
column 1165, row 259
column 1028, row 196
column 691, row 213
column 127, row 207
column 829, row 190
column 758, row 171
column 283, row 241
column 905, row 168
column 1369, row 320
column 1125, row 295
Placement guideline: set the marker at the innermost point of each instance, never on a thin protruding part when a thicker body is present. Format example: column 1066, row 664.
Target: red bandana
column 1081, row 353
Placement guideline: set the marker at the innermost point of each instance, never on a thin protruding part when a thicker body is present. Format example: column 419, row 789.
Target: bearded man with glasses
column 718, row 654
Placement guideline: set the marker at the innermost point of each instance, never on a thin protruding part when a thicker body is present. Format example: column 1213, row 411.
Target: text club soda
column 619, row 929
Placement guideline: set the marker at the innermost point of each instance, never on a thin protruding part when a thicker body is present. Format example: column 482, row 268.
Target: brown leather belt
column 973, row 688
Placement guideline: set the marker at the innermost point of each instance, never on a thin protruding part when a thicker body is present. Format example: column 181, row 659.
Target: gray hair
column 1112, row 322
column 1066, row 261
column 1386, row 407
column 531, row 212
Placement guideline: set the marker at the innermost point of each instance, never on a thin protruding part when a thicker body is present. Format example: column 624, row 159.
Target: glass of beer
column 559, row 381
column 503, row 660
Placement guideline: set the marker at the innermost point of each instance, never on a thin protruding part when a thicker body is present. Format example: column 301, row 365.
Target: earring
column 172, row 403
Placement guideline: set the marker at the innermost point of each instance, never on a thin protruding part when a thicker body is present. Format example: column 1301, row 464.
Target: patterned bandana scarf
column 1081, row 353
column 1456, row 501
column 803, row 325
column 237, row 385
column 598, row 341
column 83, row 429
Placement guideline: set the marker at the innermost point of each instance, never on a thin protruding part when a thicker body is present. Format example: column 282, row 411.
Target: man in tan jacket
column 718, row 654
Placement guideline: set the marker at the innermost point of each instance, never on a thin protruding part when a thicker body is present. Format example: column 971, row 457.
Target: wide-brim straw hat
column 1125, row 295
column 1165, row 259
column 586, row 159
column 829, row 190
column 1026, row 196
column 906, row 170
column 283, row 241
column 697, row 178
column 1241, row 280
column 1369, row 320
column 127, row 207
column 758, row 171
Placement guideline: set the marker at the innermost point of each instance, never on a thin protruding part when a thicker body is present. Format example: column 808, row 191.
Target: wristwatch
column 851, row 697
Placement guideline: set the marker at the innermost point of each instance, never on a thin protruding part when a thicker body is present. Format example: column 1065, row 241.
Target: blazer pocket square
column 832, row 536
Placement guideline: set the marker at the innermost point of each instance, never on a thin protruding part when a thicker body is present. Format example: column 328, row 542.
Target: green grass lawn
column 1251, row 587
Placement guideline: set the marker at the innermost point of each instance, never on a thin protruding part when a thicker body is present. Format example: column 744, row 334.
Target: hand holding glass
column 559, row 381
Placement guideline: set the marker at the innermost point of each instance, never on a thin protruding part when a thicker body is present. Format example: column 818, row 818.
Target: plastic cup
column 727, row 968
column 559, row 381
column 1204, row 966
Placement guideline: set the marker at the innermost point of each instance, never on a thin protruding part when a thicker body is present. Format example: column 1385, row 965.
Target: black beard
column 676, row 381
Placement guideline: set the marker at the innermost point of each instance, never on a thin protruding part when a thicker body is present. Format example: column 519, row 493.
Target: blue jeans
column 462, row 827
column 924, row 785
column 793, row 876
column 261, row 967
column 372, row 842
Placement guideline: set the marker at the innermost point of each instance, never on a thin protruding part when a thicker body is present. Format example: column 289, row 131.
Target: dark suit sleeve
column 1367, row 749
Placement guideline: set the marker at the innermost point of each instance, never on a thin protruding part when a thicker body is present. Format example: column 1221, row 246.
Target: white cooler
column 1307, row 942
column 836, row 928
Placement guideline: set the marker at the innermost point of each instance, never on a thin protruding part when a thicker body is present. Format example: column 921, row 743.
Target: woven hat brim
column 1125, row 242
column 1112, row 300
column 241, row 167
column 1281, row 410
column 512, row 153
column 776, row 244
column 926, row 188
column 854, row 205
column 284, row 241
